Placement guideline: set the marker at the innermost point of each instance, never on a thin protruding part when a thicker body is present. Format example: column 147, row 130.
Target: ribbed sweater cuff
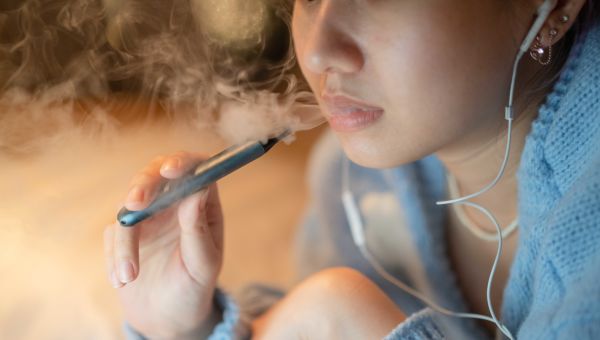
column 233, row 326
column 419, row 326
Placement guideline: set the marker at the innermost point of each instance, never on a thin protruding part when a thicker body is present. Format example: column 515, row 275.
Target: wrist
column 213, row 316
column 204, row 330
column 222, row 317
column 175, row 329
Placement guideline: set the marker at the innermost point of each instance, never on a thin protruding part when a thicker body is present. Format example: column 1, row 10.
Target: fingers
column 109, row 236
column 179, row 164
column 145, row 185
column 214, row 215
column 198, row 215
column 126, row 253
column 149, row 182
column 201, row 240
column 122, row 254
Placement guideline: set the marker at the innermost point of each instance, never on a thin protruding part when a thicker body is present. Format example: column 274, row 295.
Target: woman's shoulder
column 558, row 263
column 572, row 228
column 559, row 177
column 565, row 136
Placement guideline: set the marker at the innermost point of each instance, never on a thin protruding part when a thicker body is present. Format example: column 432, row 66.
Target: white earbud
column 543, row 13
column 357, row 226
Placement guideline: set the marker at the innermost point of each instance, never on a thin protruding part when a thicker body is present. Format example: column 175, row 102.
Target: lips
column 350, row 115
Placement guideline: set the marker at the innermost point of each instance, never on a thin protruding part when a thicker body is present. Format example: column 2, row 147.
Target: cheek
column 444, row 83
column 453, row 70
column 440, row 72
column 448, row 75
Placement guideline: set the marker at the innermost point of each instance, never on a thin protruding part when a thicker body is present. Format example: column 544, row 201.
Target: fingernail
column 136, row 195
column 126, row 272
column 114, row 280
column 171, row 164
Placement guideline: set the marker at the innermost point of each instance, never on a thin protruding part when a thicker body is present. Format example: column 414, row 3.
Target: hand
column 166, row 267
column 338, row 303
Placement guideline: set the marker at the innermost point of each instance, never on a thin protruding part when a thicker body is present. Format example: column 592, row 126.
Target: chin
column 374, row 153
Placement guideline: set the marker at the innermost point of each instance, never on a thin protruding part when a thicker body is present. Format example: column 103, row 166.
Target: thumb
column 200, row 246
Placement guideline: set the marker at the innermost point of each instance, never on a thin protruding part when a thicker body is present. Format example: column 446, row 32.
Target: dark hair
column 542, row 81
column 585, row 21
column 588, row 17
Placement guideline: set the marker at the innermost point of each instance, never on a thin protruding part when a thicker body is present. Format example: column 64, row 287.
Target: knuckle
column 124, row 236
column 181, row 154
column 124, row 244
column 143, row 178
column 199, row 228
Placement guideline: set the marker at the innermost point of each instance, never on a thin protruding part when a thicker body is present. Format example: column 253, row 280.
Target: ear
column 561, row 20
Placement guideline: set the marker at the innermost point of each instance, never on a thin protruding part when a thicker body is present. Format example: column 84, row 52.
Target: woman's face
column 401, row 79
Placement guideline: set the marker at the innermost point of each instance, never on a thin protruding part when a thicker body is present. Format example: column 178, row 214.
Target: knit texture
column 419, row 326
column 552, row 291
column 233, row 325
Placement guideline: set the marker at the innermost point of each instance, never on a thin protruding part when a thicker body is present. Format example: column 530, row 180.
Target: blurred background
column 90, row 92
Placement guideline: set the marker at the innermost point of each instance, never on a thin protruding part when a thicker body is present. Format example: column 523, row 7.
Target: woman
column 399, row 81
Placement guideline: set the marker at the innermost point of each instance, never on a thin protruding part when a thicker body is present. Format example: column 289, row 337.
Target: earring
column 541, row 54
column 564, row 19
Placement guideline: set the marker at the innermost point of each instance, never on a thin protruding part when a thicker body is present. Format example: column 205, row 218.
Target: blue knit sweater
column 552, row 291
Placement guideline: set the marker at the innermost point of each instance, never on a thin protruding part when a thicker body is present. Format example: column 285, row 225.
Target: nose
column 330, row 46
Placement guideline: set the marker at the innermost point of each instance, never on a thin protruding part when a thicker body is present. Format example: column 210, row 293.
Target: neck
column 477, row 163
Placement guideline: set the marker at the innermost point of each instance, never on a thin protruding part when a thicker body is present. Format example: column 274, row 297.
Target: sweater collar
column 566, row 134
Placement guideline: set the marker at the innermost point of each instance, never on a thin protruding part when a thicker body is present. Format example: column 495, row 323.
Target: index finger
column 148, row 183
column 180, row 164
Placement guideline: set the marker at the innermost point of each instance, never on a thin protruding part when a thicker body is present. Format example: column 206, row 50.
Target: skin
column 180, row 251
column 326, row 293
column 440, row 71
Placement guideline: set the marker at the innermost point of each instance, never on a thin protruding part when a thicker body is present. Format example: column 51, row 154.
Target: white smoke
column 70, row 67
column 90, row 91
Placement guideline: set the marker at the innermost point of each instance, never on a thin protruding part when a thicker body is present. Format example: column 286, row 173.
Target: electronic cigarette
column 206, row 173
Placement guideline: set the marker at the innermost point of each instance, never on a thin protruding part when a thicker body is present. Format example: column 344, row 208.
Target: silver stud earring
column 564, row 19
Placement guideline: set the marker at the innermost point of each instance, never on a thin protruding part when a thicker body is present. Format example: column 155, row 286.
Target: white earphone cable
column 356, row 223
column 357, row 229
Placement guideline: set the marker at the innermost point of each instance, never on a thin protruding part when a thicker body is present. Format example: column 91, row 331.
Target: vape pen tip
column 272, row 141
